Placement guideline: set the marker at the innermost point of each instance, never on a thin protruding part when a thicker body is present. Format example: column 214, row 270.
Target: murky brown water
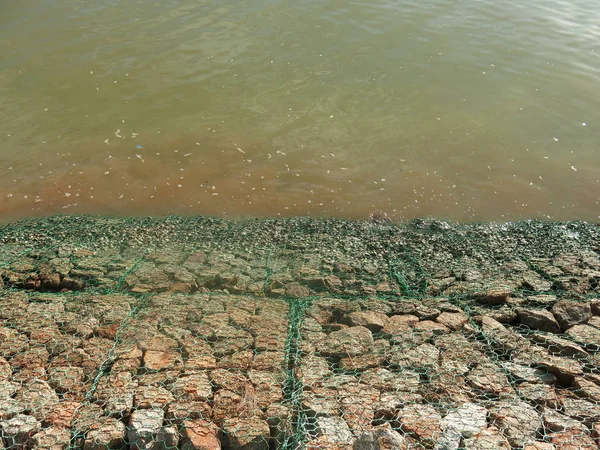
column 471, row 110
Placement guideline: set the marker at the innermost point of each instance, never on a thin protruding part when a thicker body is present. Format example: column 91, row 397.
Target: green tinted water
column 466, row 110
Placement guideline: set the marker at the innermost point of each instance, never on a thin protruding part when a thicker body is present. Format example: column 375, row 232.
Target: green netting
column 196, row 333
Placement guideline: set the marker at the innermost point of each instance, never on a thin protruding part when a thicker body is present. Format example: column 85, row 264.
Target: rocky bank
column 198, row 333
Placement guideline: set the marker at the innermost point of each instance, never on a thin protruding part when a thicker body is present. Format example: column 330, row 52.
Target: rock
column 488, row 439
column 587, row 389
column 467, row 420
column 9, row 389
column 494, row 296
column 152, row 397
column 312, row 369
column 5, row 370
column 358, row 405
column 199, row 435
column 321, row 402
column 487, row 377
column 66, row 379
column 399, row 324
column 18, row 431
column 539, row 394
column 193, row 387
column 559, row 346
column 529, row 374
column 586, row 334
column 245, row 434
column 572, row 440
column 538, row 319
column 372, row 320
column 351, row 342
column 569, row 313
column 595, row 307
column 386, row 380
column 178, row 412
column 334, row 428
column 159, row 360
column 581, row 409
column 52, row 438
column 534, row 282
column 421, row 422
column 61, row 415
column 107, row 433
column 538, row 446
column 555, row 421
column 227, row 404
column 454, row 321
column 518, row 421
column 117, row 391
column 145, row 430
column 38, row 397
column 380, row 439
column 9, row 408
column 424, row 357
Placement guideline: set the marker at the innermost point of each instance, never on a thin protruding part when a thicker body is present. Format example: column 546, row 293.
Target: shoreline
column 195, row 332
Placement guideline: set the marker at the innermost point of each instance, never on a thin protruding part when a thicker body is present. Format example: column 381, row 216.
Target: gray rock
column 107, row 433
column 534, row 282
column 19, row 430
column 5, row 369
column 144, row 426
column 538, row 319
column 335, row 428
column 569, row 313
column 380, row 439
column 467, row 420
column 352, row 341
column 518, row 421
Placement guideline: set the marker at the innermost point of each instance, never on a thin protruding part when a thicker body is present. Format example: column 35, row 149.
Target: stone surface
column 9, row 408
column 454, row 321
column 245, row 434
column 488, row 439
column 581, row 409
column 380, row 439
column 334, row 428
column 19, row 430
column 422, row 422
column 569, row 313
column 559, row 346
column 351, row 342
column 555, row 421
column 61, row 415
column 518, row 421
column 538, row 319
column 585, row 334
column 144, row 426
column 372, row 320
column 52, row 438
column 539, row 394
column 106, row 433
column 529, row 374
column 398, row 324
column 467, row 420
column 38, row 397
column 199, row 435
column 193, row 387
column 572, row 440
column 152, row 397
column 494, row 296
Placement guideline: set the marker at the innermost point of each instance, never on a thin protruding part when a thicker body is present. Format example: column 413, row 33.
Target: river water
column 465, row 110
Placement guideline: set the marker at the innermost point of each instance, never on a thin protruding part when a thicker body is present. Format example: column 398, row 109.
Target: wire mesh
column 196, row 333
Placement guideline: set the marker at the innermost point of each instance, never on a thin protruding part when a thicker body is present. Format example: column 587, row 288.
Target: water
column 467, row 110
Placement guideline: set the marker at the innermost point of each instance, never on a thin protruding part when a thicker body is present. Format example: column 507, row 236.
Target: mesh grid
column 196, row 333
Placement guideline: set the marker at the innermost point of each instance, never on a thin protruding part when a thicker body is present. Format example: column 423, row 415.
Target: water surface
column 467, row 110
